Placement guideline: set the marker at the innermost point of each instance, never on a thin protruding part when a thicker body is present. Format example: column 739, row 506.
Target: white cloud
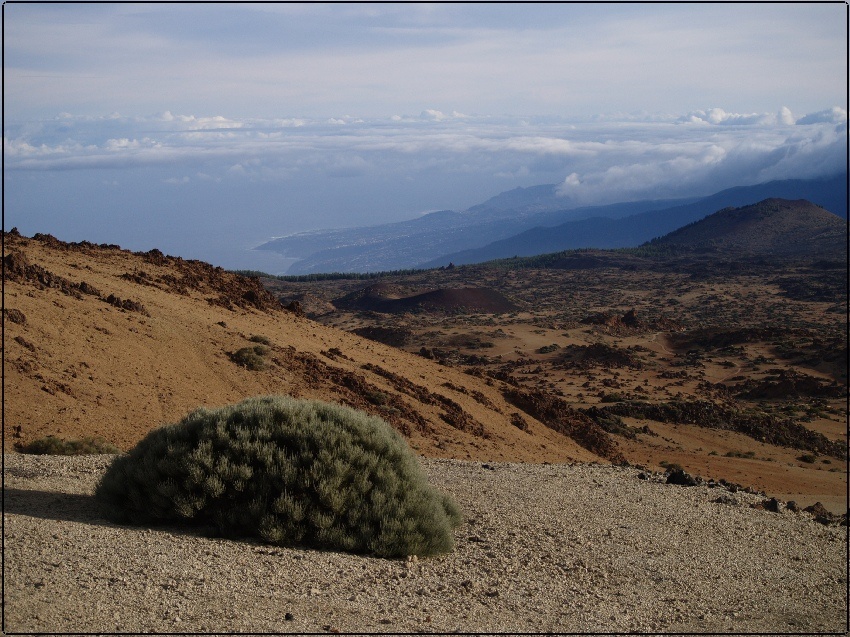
column 835, row 115
column 718, row 116
column 596, row 161
column 571, row 182
column 785, row 116
column 432, row 115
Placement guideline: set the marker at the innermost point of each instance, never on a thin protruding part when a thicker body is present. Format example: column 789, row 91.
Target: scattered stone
column 726, row 499
column 772, row 504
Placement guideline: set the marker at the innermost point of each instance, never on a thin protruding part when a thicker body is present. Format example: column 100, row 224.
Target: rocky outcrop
column 556, row 414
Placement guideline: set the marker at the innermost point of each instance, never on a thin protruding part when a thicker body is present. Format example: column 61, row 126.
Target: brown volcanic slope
column 104, row 342
column 390, row 299
column 771, row 227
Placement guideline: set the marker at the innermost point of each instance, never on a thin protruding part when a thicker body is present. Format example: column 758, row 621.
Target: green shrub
column 671, row 466
column 548, row 349
column 807, row 457
column 377, row 397
column 53, row 446
column 252, row 358
column 740, row 454
column 611, row 397
column 263, row 340
column 289, row 472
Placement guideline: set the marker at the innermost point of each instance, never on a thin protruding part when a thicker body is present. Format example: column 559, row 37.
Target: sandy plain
column 543, row 548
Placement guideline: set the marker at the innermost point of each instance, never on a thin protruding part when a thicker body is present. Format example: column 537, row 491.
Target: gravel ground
column 543, row 548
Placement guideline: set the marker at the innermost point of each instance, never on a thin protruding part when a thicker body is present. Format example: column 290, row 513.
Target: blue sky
column 205, row 129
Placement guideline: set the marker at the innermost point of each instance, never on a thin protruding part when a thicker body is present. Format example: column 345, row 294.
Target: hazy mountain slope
column 639, row 228
column 404, row 244
column 411, row 243
column 542, row 204
column 101, row 341
column 419, row 242
column 773, row 226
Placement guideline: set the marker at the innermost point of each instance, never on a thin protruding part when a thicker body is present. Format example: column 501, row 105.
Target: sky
column 206, row 129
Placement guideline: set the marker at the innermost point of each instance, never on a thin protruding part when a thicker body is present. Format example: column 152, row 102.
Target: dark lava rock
column 295, row 308
column 126, row 304
column 679, row 476
column 392, row 336
column 771, row 505
column 16, row 316
column 820, row 514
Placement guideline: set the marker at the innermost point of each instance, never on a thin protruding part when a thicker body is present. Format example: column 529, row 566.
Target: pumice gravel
column 542, row 548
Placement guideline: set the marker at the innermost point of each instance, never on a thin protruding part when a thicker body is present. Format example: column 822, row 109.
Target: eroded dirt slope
column 103, row 342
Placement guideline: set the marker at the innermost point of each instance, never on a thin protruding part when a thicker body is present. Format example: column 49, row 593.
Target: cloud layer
column 212, row 186
column 278, row 118
column 597, row 161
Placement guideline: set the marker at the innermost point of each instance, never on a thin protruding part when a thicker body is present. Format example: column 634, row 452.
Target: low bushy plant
column 252, row 358
column 53, row 446
column 289, row 472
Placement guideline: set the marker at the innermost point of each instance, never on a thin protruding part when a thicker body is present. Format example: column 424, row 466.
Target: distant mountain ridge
column 525, row 222
column 631, row 231
column 778, row 227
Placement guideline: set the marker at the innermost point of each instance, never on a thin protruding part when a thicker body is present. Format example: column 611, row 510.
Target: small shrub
column 263, row 340
column 740, row 454
column 53, row 446
column 377, row 397
column 548, row 349
column 807, row 457
column 251, row 357
column 611, row 397
column 289, row 472
column 671, row 466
